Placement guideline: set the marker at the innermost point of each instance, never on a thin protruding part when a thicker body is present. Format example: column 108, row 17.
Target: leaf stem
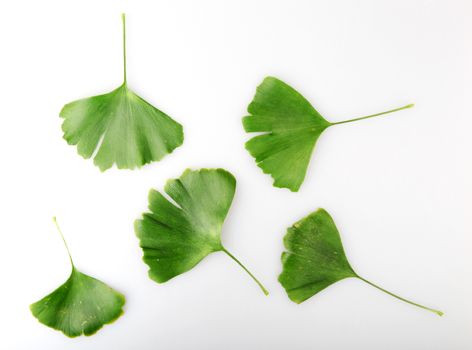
column 123, row 20
column 63, row 239
column 437, row 312
column 245, row 269
column 374, row 115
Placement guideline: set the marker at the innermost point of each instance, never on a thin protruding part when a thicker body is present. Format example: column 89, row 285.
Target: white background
column 399, row 187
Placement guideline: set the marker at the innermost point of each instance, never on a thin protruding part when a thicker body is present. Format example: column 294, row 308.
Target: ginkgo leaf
column 176, row 236
column 120, row 127
column 290, row 127
column 315, row 259
column 82, row 305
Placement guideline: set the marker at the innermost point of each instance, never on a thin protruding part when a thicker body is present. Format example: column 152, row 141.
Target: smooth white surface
column 399, row 187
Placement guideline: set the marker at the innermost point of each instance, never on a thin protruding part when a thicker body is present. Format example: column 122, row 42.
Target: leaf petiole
column 245, row 269
column 374, row 115
column 123, row 20
column 63, row 239
column 437, row 312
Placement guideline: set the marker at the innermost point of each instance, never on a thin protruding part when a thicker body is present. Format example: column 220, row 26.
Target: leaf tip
column 137, row 227
column 158, row 278
column 270, row 78
column 292, row 187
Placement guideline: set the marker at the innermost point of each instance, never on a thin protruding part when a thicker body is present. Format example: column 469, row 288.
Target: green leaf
column 82, row 305
column 120, row 127
column 315, row 259
column 290, row 127
column 176, row 236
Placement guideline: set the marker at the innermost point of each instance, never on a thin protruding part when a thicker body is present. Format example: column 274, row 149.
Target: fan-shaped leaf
column 176, row 237
column 291, row 127
column 82, row 305
column 120, row 127
column 315, row 259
